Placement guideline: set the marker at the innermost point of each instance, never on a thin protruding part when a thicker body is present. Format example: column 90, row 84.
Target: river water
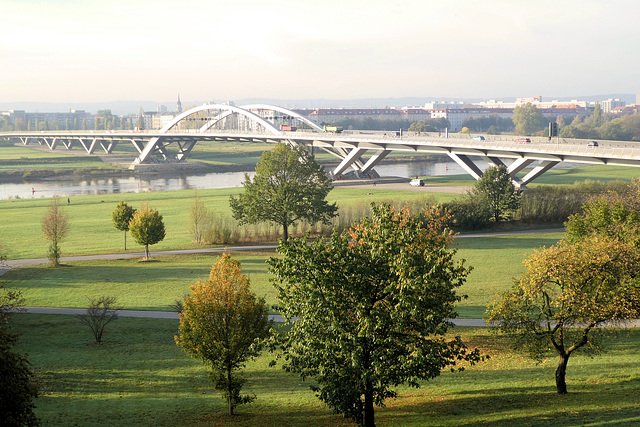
column 139, row 184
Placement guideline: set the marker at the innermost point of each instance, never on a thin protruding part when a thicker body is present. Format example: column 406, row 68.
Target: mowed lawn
column 155, row 285
column 139, row 377
column 91, row 230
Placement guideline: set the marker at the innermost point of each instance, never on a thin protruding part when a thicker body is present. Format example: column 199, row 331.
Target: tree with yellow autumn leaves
column 579, row 289
column 223, row 323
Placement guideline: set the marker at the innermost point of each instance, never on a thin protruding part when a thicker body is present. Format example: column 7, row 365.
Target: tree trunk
column 146, row 251
column 285, row 232
column 230, row 392
column 369, row 414
column 125, row 240
column 561, row 384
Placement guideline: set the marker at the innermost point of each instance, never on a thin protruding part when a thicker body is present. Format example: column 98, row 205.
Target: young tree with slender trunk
column 199, row 220
column 147, row 228
column 371, row 307
column 222, row 323
column 55, row 227
column 101, row 312
column 289, row 186
column 121, row 218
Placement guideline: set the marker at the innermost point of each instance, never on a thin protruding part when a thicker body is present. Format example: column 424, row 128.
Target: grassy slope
column 140, row 377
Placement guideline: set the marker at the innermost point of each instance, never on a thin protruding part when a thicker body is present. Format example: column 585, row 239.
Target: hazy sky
column 100, row 51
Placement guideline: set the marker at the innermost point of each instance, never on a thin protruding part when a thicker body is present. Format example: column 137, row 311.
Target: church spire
column 179, row 106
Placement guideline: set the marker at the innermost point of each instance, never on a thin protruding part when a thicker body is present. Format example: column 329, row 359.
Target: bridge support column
column 148, row 149
column 518, row 165
column 352, row 157
column 374, row 160
column 467, row 164
column 185, row 150
column 537, row 171
column 494, row 161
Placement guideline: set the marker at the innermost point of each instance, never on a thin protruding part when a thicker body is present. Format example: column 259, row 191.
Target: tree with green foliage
column 121, row 218
column 528, row 119
column 493, row 130
column 469, row 212
column 596, row 117
column 421, row 126
column 55, row 227
column 496, row 187
column 615, row 214
column 140, row 120
column 371, row 307
column 289, row 186
column 222, row 323
column 147, row 228
column 570, row 295
column 200, row 220
column 18, row 387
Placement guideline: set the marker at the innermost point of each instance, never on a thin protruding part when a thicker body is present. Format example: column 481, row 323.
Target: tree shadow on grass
column 617, row 403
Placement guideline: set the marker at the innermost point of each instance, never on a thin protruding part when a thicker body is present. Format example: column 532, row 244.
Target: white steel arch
column 154, row 143
column 282, row 110
column 250, row 107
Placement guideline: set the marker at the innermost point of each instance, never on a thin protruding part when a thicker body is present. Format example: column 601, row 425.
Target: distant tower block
column 179, row 105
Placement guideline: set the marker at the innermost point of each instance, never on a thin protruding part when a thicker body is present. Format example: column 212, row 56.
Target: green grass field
column 557, row 175
column 138, row 376
column 92, row 231
column 28, row 161
column 156, row 285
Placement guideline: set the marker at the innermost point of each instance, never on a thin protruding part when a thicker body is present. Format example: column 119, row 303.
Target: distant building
column 330, row 115
column 608, row 105
column 21, row 120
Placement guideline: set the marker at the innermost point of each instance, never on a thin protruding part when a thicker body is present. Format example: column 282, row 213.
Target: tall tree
column 289, row 186
column 18, row 387
column 147, row 228
column 528, row 119
column 222, row 323
column 496, row 187
column 199, row 220
column 121, row 218
column 55, row 226
column 140, row 120
column 568, row 291
column 372, row 306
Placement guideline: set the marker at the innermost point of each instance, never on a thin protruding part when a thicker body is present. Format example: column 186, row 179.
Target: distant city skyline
column 82, row 51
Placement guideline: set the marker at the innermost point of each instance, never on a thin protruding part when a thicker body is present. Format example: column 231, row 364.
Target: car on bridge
column 525, row 140
column 478, row 138
column 592, row 144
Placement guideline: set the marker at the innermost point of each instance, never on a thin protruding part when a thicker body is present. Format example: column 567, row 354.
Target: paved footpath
column 477, row 323
column 173, row 315
column 39, row 261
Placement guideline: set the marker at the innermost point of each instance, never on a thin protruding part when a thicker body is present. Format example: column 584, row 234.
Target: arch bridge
column 356, row 151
